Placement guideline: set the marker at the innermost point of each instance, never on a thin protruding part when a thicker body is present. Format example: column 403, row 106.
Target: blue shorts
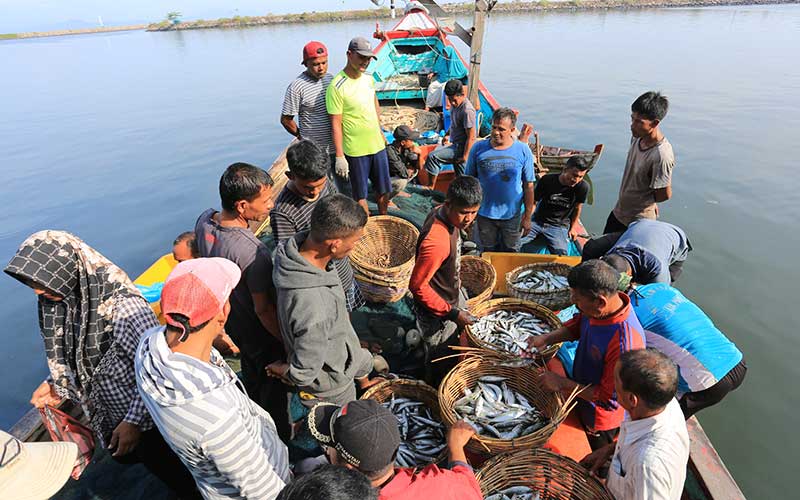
column 375, row 168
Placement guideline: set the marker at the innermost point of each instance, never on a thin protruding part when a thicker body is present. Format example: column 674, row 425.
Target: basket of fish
column 478, row 278
column 544, row 283
column 505, row 404
column 384, row 258
column 505, row 325
column 416, row 406
column 538, row 475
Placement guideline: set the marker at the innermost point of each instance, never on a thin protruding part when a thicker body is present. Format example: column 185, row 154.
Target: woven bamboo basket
column 478, row 277
column 553, row 476
column 383, row 258
column 412, row 389
column 509, row 304
column 553, row 300
column 524, row 380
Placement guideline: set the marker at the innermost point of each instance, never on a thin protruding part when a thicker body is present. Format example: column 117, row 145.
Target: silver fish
column 509, row 331
column 540, row 281
column 498, row 411
column 422, row 435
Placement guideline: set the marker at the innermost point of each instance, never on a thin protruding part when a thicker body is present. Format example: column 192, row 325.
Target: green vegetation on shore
column 514, row 6
column 8, row 36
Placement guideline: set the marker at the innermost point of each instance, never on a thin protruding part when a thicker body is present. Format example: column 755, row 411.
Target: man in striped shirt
column 605, row 327
column 292, row 211
column 229, row 443
column 305, row 98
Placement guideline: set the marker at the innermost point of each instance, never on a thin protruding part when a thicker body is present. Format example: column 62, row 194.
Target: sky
column 41, row 15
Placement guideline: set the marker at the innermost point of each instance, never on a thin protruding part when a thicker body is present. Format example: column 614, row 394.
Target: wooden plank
column 476, row 51
column 708, row 467
column 433, row 8
column 463, row 33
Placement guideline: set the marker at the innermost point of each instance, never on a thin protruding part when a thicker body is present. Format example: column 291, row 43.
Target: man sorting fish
column 605, row 327
column 438, row 298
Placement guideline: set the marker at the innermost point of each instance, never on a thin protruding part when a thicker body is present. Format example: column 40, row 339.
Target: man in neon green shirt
column 357, row 136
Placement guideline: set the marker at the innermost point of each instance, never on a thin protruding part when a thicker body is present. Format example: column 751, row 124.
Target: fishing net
column 393, row 116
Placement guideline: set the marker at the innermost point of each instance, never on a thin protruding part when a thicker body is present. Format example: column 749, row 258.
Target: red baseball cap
column 198, row 289
column 314, row 49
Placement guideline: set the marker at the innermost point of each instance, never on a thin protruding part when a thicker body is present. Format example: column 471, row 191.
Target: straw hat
column 34, row 471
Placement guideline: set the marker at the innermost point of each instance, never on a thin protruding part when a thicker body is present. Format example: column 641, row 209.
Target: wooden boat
column 707, row 477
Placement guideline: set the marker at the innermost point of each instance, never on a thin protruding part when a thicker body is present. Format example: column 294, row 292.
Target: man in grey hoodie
column 229, row 443
column 323, row 351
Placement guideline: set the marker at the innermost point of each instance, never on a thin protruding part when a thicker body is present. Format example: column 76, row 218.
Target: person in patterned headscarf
column 91, row 318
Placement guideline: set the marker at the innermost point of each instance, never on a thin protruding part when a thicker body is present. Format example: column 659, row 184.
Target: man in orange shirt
column 435, row 283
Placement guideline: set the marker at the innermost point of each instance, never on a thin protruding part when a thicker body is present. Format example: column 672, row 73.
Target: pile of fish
column 422, row 437
column 509, row 331
column 540, row 281
column 515, row 493
column 497, row 411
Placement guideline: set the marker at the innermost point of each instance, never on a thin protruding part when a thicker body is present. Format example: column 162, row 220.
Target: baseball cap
column 31, row 471
column 363, row 432
column 453, row 87
column 361, row 45
column 314, row 49
column 403, row 132
column 198, row 289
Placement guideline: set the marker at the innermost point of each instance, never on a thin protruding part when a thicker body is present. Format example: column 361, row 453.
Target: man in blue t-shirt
column 504, row 167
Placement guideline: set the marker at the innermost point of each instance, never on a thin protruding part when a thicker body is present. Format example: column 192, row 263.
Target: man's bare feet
column 403, row 194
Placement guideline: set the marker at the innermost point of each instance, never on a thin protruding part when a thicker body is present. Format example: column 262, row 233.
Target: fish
column 540, row 281
column 509, row 331
column 515, row 493
column 422, row 435
column 496, row 410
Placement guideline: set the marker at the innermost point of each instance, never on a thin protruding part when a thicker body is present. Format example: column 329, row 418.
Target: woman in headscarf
column 91, row 318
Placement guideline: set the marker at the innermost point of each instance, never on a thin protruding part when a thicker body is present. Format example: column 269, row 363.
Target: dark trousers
column 597, row 247
column 269, row 393
column 692, row 402
column 156, row 455
column 613, row 225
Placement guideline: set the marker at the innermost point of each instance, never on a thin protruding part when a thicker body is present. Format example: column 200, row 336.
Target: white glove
column 341, row 167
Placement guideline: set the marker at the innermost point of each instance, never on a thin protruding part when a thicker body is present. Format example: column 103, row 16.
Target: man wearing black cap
column 403, row 159
column 355, row 124
column 462, row 133
column 364, row 435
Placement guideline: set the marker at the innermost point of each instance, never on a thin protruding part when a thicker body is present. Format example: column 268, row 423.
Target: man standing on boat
column 253, row 323
column 504, row 167
column 305, row 98
column 359, row 143
column 650, row 456
column 324, row 354
column 292, row 211
column 462, row 134
column 439, row 301
column 230, row 444
column 647, row 179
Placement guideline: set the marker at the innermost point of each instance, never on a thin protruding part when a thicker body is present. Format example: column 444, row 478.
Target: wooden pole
column 476, row 50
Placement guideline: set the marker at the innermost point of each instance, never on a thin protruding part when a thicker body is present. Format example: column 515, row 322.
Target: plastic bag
column 63, row 427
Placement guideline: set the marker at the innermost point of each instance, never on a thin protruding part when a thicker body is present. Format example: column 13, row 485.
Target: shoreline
column 82, row 31
column 383, row 13
column 453, row 9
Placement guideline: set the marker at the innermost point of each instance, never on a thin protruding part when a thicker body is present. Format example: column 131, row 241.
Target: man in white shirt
column 650, row 456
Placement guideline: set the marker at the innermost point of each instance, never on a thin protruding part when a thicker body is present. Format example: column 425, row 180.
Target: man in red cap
column 305, row 98
column 229, row 443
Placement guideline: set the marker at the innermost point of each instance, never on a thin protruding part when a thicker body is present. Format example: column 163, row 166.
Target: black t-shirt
column 555, row 201
column 399, row 160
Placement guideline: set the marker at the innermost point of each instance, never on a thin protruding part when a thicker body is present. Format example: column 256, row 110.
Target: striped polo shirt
column 305, row 98
column 600, row 344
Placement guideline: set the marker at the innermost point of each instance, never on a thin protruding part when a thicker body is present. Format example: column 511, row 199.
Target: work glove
column 341, row 167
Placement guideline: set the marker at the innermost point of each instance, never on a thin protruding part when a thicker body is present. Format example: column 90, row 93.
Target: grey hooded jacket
column 324, row 353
